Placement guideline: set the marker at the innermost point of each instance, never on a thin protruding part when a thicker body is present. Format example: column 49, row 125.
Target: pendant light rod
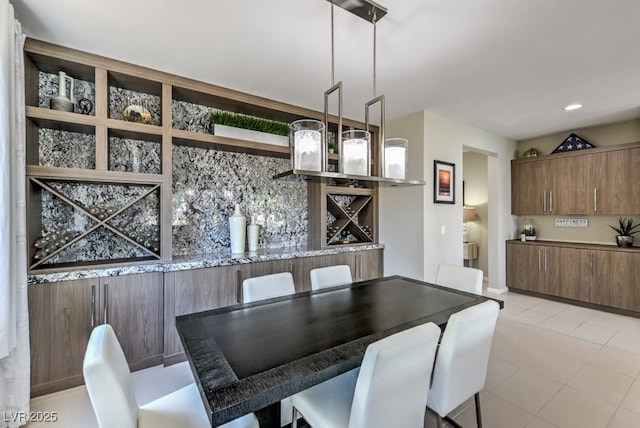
column 334, row 87
column 333, row 80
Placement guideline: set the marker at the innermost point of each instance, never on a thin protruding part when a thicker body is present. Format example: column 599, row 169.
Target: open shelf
column 334, row 176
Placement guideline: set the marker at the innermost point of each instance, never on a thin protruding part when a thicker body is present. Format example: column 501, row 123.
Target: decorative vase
column 237, row 227
column 137, row 113
column 61, row 101
column 252, row 234
column 624, row 241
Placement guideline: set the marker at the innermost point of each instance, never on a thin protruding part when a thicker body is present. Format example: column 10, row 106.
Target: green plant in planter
column 253, row 123
column 531, row 231
column 625, row 230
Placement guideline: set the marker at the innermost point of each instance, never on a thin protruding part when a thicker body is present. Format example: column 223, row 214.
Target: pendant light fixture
column 392, row 152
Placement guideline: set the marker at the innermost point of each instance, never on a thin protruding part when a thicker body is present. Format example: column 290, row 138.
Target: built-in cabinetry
column 586, row 182
column 341, row 213
column 597, row 274
column 62, row 315
column 102, row 181
column 210, row 288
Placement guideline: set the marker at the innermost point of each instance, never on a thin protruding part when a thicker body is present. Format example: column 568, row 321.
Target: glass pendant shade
column 307, row 144
column 355, row 153
column 395, row 158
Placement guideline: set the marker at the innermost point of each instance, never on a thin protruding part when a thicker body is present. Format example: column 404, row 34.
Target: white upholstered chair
column 330, row 276
column 110, row 388
column 267, row 287
column 388, row 390
column 460, row 369
column 460, row 277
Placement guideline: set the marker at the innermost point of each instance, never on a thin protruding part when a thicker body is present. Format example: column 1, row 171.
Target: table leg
column 269, row 417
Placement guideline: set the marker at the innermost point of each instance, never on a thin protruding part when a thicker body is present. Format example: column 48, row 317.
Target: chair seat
column 328, row 404
column 177, row 410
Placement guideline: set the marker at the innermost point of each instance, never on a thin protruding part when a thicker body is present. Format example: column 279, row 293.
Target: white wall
column 411, row 224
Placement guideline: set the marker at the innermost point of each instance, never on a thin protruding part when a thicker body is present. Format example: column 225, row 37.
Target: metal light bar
column 362, row 8
column 336, row 87
column 380, row 143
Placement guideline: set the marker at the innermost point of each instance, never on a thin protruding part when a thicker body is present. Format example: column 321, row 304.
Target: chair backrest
column 330, row 276
column 393, row 382
column 461, row 278
column 461, row 365
column 267, row 287
column 108, row 380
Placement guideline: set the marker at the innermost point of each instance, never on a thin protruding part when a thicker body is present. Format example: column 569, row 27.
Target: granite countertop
column 199, row 261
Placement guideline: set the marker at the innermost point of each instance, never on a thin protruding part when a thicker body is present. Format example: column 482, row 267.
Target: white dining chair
column 388, row 390
column 460, row 277
column 330, row 276
column 267, row 287
column 460, row 369
column 110, row 389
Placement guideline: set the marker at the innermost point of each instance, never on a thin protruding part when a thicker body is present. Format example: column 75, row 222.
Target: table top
column 246, row 357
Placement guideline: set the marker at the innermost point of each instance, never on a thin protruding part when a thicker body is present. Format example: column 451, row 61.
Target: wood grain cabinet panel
column 60, row 322
column 192, row 291
column 616, row 177
column 596, row 181
column 62, row 315
column 610, row 278
column 525, row 270
column 529, row 182
column 571, row 185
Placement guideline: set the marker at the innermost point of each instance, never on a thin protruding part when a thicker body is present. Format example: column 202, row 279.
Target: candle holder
column 308, row 147
column 395, row 155
column 355, row 152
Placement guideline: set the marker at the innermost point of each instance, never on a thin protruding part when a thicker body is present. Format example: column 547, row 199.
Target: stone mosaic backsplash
column 66, row 149
column 191, row 117
column 134, row 155
column 208, row 183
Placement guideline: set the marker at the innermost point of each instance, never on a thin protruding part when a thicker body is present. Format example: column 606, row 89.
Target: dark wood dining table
column 246, row 358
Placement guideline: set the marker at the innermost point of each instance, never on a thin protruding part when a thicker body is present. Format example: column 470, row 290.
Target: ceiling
column 506, row 66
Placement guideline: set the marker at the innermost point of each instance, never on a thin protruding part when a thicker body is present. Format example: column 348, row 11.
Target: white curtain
column 14, row 318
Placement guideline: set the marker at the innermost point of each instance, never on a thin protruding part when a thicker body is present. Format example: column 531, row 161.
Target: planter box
column 249, row 135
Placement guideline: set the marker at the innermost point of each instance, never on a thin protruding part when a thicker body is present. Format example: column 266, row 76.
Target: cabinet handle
column 239, row 296
column 361, row 275
column 550, row 201
column 93, row 306
column 545, row 260
column 591, row 264
column 539, row 258
column 544, row 201
column 106, row 304
column 595, row 199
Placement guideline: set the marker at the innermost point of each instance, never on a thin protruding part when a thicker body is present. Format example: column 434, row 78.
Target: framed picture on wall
column 444, row 179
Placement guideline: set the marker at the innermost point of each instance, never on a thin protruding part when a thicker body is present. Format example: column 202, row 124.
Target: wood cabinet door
column 567, row 273
column 614, row 280
column 61, row 317
column 133, row 305
column 192, row 291
column 571, row 189
column 529, row 183
column 616, row 175
column 524, row 267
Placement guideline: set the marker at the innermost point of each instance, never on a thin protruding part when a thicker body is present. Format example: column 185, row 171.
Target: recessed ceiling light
column 571, row 107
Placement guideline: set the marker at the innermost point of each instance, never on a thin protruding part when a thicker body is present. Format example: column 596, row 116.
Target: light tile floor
column 552, row 365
